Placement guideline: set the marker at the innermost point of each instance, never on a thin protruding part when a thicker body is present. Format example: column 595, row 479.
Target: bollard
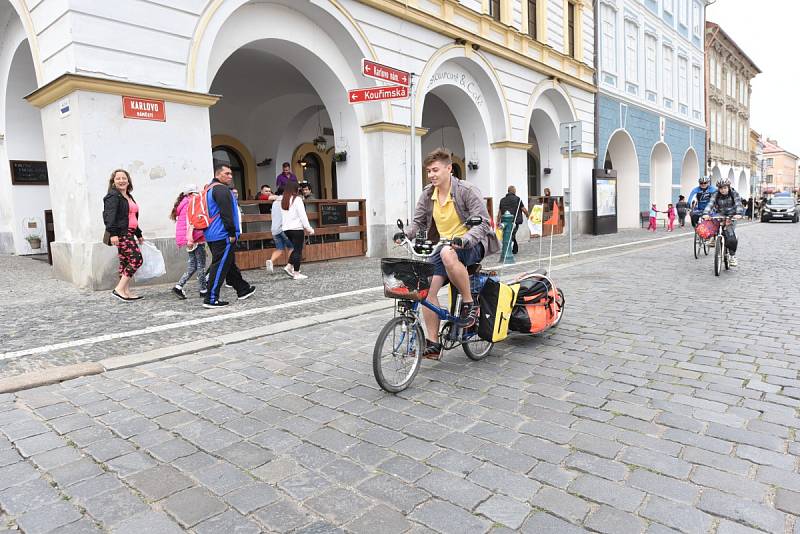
column 507, row 222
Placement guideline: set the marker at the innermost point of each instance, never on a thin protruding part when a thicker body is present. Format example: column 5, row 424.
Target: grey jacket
column 468, row 203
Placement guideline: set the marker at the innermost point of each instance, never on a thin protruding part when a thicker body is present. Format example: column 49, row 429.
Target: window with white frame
column 718, row 74
column 696, row 93
column 651, row 76
column 683, row 12
column 669, row 77
column 697, row 19
column 632, row 55
column 609, row 23
column 669, row 6
column 683, row 84
column 720, row 130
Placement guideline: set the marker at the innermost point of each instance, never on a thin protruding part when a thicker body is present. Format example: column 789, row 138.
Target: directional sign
column 372, row 94
column 382, row 72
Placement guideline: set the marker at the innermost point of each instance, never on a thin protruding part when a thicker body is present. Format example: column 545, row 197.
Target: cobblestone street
column 665, row 401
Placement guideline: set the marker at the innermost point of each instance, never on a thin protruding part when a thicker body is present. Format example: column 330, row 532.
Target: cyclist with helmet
column 726, row 202
column 699, row 197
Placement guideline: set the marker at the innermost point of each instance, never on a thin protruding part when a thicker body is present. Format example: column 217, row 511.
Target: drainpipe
column 596, row 9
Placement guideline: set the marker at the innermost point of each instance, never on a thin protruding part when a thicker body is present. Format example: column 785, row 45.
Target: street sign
column 373, row 94
column 576, row 129
column 143, row 109
column 371, row 69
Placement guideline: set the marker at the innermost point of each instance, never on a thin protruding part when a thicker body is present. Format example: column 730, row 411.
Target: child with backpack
column 186, row 235
column 671, row 217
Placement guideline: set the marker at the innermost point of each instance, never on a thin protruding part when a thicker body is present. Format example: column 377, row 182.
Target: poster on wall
column 606, row 197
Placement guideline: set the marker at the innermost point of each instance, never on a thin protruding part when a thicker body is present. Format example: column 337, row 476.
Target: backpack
column 198, row 214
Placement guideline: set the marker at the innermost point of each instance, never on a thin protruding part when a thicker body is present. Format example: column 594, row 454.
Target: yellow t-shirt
column 446, row 217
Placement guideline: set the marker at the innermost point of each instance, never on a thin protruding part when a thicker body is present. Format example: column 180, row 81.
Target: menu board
column 28, row 172
column 333, row 214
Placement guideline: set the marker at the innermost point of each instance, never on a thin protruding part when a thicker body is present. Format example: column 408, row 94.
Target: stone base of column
column 6, row 242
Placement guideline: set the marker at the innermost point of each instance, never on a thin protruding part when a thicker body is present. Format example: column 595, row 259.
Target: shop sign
column 371, row 69
column 373, row 94
column 143, row 109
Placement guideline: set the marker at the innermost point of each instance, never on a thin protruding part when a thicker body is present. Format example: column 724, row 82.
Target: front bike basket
column 707, row 229
column 406, row 279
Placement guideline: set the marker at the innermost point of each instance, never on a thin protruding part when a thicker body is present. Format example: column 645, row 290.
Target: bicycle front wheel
column 398, row 353
column 719, row 247
column 698, row 245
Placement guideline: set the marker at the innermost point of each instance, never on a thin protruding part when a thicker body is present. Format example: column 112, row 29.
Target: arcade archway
column 661, row 176
column 621, row 156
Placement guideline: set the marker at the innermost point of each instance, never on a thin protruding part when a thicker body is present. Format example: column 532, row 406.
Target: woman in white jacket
column 295, row 226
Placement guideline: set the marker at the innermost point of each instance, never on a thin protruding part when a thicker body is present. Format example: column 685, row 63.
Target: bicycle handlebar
column 426, row 249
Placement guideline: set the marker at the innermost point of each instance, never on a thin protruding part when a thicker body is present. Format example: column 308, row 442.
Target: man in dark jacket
column 513, row 204
column 726, row 202
column 221, row 235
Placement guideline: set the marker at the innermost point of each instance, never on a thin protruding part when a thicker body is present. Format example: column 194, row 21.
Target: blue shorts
column 467, row 256
column 282, row 242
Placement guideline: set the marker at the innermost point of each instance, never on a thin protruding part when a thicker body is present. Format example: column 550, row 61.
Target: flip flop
column 120, row 297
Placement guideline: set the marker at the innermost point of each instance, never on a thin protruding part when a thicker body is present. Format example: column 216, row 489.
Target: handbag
column 107, row 238
column 152, row 263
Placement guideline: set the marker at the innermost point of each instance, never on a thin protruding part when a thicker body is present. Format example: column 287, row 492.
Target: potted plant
column 340, row 156
column 35, row 241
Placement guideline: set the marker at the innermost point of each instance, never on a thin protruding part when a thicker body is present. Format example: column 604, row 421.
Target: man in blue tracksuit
column 221, row 237
column 701, row 195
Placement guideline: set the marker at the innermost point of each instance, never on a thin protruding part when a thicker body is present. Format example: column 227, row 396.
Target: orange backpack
column 198, row 214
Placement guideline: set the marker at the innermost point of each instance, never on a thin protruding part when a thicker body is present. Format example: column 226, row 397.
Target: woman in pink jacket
column 193, row 240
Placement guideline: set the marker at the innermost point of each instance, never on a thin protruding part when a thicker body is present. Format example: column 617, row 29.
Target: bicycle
column 721, row 256
column 408, row 282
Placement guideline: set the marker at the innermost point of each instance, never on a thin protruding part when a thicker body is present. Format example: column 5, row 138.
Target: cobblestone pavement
column 38, row 311
column 649, row 409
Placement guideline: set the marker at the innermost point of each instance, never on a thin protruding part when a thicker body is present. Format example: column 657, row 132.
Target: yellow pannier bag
column 496, row 304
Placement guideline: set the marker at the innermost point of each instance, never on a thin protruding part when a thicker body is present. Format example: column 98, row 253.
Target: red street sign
column 143, row 109
column 382, row 72
column 371, row 94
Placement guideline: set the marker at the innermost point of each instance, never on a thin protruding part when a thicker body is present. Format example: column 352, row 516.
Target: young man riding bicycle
column 445, row 204
column 699, row 197
column 726, row 202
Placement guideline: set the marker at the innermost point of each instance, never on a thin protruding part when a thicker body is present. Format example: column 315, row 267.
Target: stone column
column 86, row 138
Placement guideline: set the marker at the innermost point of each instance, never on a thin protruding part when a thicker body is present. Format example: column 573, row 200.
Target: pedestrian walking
column 295, row 225
column 671, row 217
column 283, row 245
column 193, row 240
column 513, row 204
column 121, row 219
column 285, row 177
column 682, row 208
column 221, row 236
column 653, row 215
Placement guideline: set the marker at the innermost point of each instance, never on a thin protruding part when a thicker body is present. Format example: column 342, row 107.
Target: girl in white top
column 295, row 226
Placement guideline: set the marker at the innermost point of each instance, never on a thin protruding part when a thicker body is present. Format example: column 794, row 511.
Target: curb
column 55, row 375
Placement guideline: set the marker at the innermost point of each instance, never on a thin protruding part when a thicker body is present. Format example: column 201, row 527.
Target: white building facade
column 256, row 83
column 651, row 102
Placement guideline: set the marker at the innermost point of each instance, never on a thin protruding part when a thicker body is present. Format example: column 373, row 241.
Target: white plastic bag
column 153, row 265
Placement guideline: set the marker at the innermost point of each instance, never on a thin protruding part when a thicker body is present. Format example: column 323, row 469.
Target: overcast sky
column 767, row 31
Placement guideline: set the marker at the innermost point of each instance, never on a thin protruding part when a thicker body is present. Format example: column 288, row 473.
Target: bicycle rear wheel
column 560, row 303
column 398, row 353
column 719, row 251
column 476, row 348
column 698, row 245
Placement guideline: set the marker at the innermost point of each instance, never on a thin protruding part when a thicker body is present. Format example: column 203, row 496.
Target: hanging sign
column 143, row 109
column 373, row 94
column 370, row 69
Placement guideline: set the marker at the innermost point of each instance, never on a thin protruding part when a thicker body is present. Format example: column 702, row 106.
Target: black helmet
column 723, row 182
column 704, row 180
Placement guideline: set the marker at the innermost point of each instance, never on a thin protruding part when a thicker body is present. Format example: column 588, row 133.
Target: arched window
column 225, row 155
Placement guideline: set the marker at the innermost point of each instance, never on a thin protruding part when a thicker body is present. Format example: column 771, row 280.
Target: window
column 718, row 75
column 650, row 76
column 696, row 94
column 769, row 162
column 720, row 131
column 712, row 125
column 669, row 77
column 571, row 29
column 494, row 9
column 683, row 82
column 669, row 6
column 532, row 18
column 712, row 68
column 609, row 23
column 769, row 178
column 683, row 14
column 697, row 21
column 631, row 52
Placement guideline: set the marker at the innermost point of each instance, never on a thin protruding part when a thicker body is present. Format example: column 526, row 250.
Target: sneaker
column 469, row 315
column 732, row 261
column 433, row 350
column 270, row 267
column 228, row 285
column 289, row 270
column 247, row 293
column 203, row 292
column 299, row 276
column 217, row 304
column 178, row 290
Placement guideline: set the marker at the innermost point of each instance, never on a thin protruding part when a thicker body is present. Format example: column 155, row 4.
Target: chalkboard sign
column 333, row 214
column 28, row 172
